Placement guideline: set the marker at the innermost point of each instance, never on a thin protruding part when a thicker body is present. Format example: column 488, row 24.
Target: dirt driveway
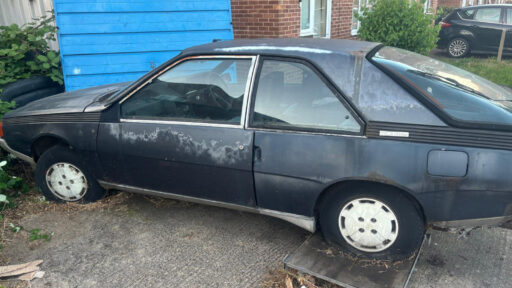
column 151, row 242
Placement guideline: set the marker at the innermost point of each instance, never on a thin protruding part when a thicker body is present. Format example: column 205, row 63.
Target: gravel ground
column 482, row 259
column 150, row 242
column 169, row 244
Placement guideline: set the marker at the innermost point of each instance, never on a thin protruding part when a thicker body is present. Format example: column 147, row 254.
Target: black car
column 476, row 29
column 368, row 144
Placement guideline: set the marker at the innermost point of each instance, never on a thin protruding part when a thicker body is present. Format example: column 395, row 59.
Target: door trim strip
column 307, row 223
column 170, row 122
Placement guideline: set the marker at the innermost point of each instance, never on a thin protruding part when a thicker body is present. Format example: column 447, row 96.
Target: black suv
column 476, row 29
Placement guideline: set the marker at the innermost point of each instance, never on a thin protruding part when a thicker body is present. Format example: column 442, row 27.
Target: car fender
column 374, row 179
column 466, row 34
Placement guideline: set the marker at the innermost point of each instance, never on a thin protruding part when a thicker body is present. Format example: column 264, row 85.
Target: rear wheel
column 63, row 176
column 372, row 222
column 458, row 47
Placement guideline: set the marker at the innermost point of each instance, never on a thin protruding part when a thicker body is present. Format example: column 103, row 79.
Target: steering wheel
column 219, row 98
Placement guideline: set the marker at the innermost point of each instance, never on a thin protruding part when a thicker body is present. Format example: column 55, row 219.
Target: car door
column 487, row 27
column 182, row 131
column 508, row 26
column 303, row 131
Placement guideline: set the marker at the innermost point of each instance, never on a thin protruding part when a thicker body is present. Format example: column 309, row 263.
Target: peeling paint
column 182, row 143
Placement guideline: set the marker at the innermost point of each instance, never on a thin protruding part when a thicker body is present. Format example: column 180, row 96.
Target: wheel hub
column 368, row 225
column 457, row 48
column 66, row 181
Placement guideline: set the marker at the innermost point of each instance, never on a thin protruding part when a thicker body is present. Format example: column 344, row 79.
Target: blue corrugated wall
column 109, row 41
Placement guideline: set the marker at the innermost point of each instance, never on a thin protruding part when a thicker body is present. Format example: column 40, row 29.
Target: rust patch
column 376, row 176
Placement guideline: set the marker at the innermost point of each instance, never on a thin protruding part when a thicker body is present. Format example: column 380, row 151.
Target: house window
column 427, row 7
column 315, row 18
column 357, row 7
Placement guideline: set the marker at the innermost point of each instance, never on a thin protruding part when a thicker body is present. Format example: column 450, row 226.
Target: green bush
column 400, row 24
column 24, row 51
column 10, row 187
column 5, row 107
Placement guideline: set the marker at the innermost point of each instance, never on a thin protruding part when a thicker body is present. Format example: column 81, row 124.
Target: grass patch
column 35, row 234
column 488, row 68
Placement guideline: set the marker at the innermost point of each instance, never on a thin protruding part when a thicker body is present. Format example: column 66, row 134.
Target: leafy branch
column 24, row 51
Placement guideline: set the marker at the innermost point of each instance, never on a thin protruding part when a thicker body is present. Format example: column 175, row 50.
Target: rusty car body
column 397, row 142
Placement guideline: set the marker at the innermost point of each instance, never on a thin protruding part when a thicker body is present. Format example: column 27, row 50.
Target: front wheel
column 458, row 47
column 370, row 222
column 63, row 176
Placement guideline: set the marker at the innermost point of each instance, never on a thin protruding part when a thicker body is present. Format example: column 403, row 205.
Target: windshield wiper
column 450, row 81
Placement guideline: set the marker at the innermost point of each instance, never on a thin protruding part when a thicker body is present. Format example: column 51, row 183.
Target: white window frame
column 427, row 6
column 328, row 16
column 353, row 32
column 311, row 30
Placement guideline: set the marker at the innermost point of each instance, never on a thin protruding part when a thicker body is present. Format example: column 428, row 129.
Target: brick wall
column 281, row 18
column 433, row 5
column 449, row 3
column 265, row 18
column 341, row 19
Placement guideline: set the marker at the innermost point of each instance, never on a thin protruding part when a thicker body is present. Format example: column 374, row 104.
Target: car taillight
column 445, row 25
column 1, row 130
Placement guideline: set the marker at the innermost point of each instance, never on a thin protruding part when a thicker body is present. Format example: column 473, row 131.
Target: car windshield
column 462, row 95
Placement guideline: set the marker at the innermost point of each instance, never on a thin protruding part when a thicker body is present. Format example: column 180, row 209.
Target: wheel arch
column 338, row 186
column 44, row 142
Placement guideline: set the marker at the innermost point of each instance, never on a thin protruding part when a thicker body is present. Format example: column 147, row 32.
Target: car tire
column 20, row 87
column 63, row 176
column 458, row 48
column 357, row 221
column 24, row 99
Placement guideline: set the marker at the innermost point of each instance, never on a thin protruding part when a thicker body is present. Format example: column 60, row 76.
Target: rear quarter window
column 467, row 14
column 381, row 99
column 488, row 15
column 458, row 94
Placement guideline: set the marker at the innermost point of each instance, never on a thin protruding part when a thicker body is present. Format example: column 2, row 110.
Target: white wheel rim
column 66, row 181
column 368, row 225
column 457, row 47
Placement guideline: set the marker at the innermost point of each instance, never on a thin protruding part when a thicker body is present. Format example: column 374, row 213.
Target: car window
column 460, row 94
column 379, row 98
column 202, row 90
column 291, row 95
column 509, row 16
column 467, row 14
column 489, row 15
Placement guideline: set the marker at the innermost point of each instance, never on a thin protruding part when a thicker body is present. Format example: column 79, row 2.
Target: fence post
column 502, row 43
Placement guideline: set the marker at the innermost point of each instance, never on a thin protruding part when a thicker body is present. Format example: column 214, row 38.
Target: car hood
column 68, row 102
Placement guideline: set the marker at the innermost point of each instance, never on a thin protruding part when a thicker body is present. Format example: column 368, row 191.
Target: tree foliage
column 24, row 51
column 400, row 24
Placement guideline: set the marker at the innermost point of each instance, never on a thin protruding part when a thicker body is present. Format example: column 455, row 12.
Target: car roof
column 285, row 46
column 487, row 6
